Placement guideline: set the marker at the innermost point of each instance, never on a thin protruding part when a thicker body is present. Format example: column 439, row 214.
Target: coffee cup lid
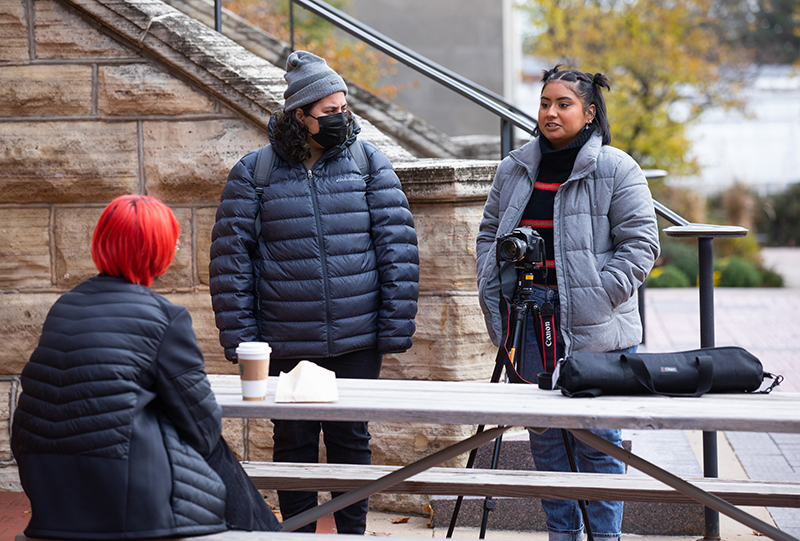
column 253, row 347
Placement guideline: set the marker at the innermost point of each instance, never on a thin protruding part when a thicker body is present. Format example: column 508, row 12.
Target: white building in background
column 760, row 148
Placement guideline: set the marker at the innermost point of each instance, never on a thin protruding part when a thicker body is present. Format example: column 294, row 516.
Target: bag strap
column 776, row 380
column 264, row 161
column 705, row 373
column 356, row 149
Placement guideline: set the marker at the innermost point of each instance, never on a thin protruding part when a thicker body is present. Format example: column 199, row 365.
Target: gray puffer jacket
column 336, row 267
column 114, row 420
column 606, row 242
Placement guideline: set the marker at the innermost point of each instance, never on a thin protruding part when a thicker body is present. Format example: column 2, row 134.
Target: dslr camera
column 524, row 246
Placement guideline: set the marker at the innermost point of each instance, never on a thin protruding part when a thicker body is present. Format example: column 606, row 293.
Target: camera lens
column 512, row 249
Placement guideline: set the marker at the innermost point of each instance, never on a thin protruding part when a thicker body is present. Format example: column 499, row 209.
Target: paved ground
column 766, row 322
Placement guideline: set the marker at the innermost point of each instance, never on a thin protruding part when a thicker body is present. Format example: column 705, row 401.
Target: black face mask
column 333, row 130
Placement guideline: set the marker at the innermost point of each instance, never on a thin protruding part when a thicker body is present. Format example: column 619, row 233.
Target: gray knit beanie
column 310, row 79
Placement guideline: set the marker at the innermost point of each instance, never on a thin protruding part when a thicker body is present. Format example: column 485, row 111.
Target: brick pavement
column 766, row 322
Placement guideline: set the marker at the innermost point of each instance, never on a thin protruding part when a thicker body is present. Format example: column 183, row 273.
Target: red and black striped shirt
column 554, row 170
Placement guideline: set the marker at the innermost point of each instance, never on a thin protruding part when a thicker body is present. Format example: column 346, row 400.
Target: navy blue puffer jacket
column 114, row 420
column 336, row 264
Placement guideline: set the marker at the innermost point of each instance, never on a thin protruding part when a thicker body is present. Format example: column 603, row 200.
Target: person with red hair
column 117, row 433
column 135, row 238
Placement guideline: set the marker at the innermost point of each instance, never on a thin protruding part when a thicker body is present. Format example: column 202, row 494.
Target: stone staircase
column 409, row 131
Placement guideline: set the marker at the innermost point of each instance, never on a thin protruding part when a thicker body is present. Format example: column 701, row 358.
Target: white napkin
column 307, row 382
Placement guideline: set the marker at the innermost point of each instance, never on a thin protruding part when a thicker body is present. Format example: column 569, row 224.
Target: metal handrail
column 418, row 62
column 509, row 114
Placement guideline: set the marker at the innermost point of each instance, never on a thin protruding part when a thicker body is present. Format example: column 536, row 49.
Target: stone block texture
column 205, row 224
column 73, row 240
column 129, row 89
column 189, row 161
column 6, row 390
column 13, row 32
column 24, row 248
column 68, row 161
column 64, row 33
column 40, row 90
column 21, row 319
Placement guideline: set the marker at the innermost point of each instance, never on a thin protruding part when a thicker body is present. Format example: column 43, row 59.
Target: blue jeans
column 563, row 517
column 345, row 442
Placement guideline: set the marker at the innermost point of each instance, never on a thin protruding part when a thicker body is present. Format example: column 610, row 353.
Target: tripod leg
column 518, row 356
column 574, row 467
column 517, row 353
column 498, row 369
column 488, row 503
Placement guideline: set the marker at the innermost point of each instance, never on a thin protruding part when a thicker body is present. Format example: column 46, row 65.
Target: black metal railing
column 510, row 117
column 509, row 114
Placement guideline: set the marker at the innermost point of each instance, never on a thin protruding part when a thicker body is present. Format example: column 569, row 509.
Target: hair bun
column 601, row 80
column 546, row 74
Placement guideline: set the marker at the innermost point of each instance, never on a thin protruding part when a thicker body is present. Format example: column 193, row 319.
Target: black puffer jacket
column 336, row 262
column 114, row 419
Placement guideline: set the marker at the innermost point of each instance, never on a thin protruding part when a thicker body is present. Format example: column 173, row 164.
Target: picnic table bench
column 517, row 484
column 506, row 406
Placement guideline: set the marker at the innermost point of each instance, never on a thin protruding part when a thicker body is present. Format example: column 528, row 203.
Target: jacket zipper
column 323, row 260
column 521, row 210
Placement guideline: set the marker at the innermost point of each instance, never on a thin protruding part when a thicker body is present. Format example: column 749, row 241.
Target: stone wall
column 100, row 98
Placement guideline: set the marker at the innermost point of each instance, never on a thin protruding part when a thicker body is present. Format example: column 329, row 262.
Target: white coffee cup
column 254, row 369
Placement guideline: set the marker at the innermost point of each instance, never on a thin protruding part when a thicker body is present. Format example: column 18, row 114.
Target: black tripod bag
column 683, row 373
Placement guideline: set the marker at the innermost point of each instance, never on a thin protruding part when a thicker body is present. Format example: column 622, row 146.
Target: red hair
column 135, row 239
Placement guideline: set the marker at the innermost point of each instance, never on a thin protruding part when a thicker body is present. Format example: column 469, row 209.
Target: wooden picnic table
column 476, row 403
column 508, row 405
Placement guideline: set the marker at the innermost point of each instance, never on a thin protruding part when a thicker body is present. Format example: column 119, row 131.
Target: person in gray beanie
column 332, row 274
column 310, row 79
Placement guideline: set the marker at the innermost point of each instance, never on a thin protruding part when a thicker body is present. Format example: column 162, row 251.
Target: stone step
column 668, row 449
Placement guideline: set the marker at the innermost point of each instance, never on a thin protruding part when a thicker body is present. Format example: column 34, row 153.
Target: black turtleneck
column 554, row 169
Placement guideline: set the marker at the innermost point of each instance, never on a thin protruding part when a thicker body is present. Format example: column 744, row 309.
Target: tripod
column 522, row 306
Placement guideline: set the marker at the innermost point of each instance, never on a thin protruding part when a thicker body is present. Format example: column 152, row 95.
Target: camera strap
column 544, row 323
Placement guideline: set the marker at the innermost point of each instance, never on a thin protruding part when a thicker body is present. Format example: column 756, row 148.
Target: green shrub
column 776, row 217
column 668, row 276
column 740, row 273
column 682, row 255
column 770, row 278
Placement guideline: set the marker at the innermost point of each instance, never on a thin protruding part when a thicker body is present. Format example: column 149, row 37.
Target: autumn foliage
column 665, row 60
column 353, row 59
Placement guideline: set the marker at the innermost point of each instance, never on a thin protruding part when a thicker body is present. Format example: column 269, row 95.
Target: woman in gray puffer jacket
column 332, row 276
column 592, row 207
column 117, row 433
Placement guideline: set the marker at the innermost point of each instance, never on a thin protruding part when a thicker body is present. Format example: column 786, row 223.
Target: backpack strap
column 357, row 151
column 264, row 161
